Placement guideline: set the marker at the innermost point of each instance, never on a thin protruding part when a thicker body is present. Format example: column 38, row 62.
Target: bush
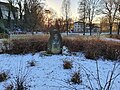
column 67, row 65
column 22, row 78
column 3, row 76
column 28, row 45
column 74, row 45
column 2, row 35
column 112, row 51
column 97, row 48
column 76, row 79
column 8, row 87
column 93, row 48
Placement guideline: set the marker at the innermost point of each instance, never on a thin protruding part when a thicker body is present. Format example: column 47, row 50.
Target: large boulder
column 54, row 43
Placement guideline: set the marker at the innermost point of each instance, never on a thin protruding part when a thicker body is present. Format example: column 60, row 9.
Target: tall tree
column 19, row 2
column 110, row 9
column 104, row 24
column 9, row 13
column 59, row 24
column 119, row 21
column 92, row 6
column 33, row 14
column 66, row 12
column 82, row 13
column 50, row 16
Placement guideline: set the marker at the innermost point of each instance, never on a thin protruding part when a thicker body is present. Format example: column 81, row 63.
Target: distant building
column 4, row 9
column 78, row 27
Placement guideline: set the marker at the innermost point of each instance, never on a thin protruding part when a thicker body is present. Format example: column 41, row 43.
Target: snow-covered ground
column 49, row 74
column 111, row 39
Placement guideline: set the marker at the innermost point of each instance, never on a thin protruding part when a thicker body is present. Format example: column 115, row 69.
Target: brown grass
column 3, row 76
column 76, row 79
column 93, row 48
column 28, row 45
column 67, row 65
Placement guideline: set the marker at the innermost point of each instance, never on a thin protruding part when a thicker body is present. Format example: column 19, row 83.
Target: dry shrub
column 8, row 87
column 67, row 65
column 22, row 78
column 76, row 79
column 97, row 48
column 3, row 76
column 93, row 48
column 2, row 35
column 112, row 51
column 74, row 45
column 28, row 45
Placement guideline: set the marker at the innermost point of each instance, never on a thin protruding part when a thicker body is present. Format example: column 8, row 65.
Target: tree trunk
column 20, row 10
column 110, row 29
column 90, row 25
column 67, row 27
column 1, row 16
column 9, row 19
column 84, row 18
column 9, row 14
column 118, row 28
column 84, row 29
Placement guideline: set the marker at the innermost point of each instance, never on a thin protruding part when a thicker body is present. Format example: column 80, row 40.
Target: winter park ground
column 40, row 72
column 48, row 72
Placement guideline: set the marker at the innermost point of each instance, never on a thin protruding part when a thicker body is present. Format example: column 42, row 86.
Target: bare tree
column 19, row 2
column 92, row 6
column 110, row 9
column 50, row 19
column 104, row 24
column 119, row 21
column 9, row 12
column 82, row 13
column 59, row 24
column 66, row 12
column 33, row 16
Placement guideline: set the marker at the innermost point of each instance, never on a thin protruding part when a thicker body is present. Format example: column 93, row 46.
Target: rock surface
column 55, row 42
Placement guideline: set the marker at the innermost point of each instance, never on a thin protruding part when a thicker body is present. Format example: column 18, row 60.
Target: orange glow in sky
column 57, row 4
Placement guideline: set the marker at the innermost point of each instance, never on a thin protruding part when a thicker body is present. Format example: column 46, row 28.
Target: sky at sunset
column 56, row 5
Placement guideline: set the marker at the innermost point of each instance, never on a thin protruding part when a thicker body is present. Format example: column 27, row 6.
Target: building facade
column 78, row 27
column 4, row 10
